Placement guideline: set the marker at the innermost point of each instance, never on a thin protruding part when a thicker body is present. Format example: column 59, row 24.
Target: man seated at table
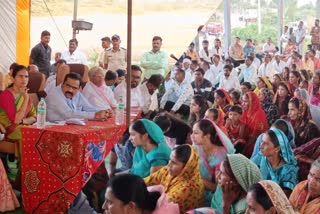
column 177, row 98
column 96, row 91
column 65, row 102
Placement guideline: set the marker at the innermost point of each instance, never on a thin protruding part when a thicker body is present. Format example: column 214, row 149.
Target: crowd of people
column 234, row 132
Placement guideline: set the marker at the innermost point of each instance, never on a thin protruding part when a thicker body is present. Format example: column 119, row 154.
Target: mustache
column 68, row 92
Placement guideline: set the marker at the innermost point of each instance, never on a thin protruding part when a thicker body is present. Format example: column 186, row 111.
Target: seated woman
column 16, row 108
column 276, row 79
column 304, row 128
column 266, row 100
column 213, row 146
column 151, row 151
column 314, row 89
column 8, row 199
column 305, row 197
column 278, row 162
column 129, row 194
column 198, row 108
column 262, row 82
column 181, row 178
column 237, row 174
column 255, row 119
column 281, row 98
column 173, row 128
column 267, row 197
column 222, row 100
column 306, row 155
column 285, row 127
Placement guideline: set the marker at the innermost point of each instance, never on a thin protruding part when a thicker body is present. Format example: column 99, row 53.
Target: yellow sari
column 186, row 189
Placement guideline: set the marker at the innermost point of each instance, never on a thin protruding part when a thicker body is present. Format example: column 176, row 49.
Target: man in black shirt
column 41, row 54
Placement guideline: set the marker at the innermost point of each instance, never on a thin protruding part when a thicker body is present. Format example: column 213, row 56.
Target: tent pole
column 75, row 13
column 129, row 39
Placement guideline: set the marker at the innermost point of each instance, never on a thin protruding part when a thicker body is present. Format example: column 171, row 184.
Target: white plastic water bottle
column 41, row 113
column 120, row 112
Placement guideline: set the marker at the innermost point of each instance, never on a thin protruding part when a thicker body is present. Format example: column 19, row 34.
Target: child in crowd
column 235, row 97
column 236, row 128
column 110, row 79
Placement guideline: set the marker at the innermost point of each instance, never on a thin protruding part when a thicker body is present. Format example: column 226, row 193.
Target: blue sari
column 287, row 174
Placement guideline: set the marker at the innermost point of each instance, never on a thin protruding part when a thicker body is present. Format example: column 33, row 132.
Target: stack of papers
column 75, row 121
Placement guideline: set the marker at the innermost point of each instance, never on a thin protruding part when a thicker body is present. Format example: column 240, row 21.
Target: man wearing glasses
column 65, row 102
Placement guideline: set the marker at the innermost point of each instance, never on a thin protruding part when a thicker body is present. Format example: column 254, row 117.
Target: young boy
column 110, row 79
column 236, row 128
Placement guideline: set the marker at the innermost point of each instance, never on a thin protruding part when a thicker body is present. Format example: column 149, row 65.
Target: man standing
column 41, row 54
column 315, row 35
column 116, row 57
column 300, row 34
column 154, row 61
column 105, row 43
column 73, row 55
column 65, row 101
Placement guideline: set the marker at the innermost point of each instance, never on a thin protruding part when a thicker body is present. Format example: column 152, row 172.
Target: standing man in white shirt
column 266, row 69
column 229, row 82
column 105, row 43
column 177, row 98
column 73, row 55
column 300, row 34
column 278, row 64
column 121, row 89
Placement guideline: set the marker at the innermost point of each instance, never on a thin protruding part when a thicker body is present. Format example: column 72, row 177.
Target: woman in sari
column 294, row 81
column 305, row 156
column 181, row 178
column 276, row 79
column 151, row 153
column 217, row 116
column 262, row 82
column 198, row 108
column 266, row 100
column 305, row 197
column 255, row 119
column 314, row 89
column 213, row 146
column 222, row 100
column 16, row 108
column 278, row 162
column 299, row 114
column 267, row 197
column 281, row 99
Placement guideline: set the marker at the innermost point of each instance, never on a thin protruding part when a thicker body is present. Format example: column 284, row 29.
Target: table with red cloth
column 57, row 161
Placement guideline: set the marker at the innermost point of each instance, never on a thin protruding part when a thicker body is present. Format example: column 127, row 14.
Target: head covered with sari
column 153, row 130
column 244, row 170
column 303, row 110
column 186, row 188
column 279, row 200
column 267, row 82
column 225, row 95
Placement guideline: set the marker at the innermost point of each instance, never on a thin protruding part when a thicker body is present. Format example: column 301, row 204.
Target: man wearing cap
column 105, row 43
column 116, row 57
column 154, row 61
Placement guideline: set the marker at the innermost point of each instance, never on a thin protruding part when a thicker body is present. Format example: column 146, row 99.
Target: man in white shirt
column 300, row 34
column 268, row 47
column 96, row 91
column 121, row 89
column 266, row 69
column 216, row 68
column 65, row 101
column 105, row 43
column 228, row 82
column 186, row 67
column 248, row 71
column 217, row 48
column 177, row 98
column 149, row 95
column 278, row 64
column 73, row 55
column 205, row 53
column 256, row 61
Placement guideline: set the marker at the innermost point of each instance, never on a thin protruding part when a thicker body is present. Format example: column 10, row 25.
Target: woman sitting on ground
column 151, row 153
column 305, row 197
column 129, row 194
column 213, row 146
column 282, row 98
column 278, row 162
column 181, row 178
column 267, row 197
column 266, row 100
column 222, row 100
column 198, row 108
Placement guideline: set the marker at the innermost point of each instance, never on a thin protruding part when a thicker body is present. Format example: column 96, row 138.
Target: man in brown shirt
column 116, row 57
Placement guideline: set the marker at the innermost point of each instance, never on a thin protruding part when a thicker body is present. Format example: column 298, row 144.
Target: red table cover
column 57, row 162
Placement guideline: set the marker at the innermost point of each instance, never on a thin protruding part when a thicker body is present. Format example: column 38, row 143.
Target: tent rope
column 54, row 21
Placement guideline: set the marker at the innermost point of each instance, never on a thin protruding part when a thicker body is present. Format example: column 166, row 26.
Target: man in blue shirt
column 65, row 102
column 248, row 48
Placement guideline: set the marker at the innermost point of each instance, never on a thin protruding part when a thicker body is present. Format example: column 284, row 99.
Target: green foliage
column 251, row 32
